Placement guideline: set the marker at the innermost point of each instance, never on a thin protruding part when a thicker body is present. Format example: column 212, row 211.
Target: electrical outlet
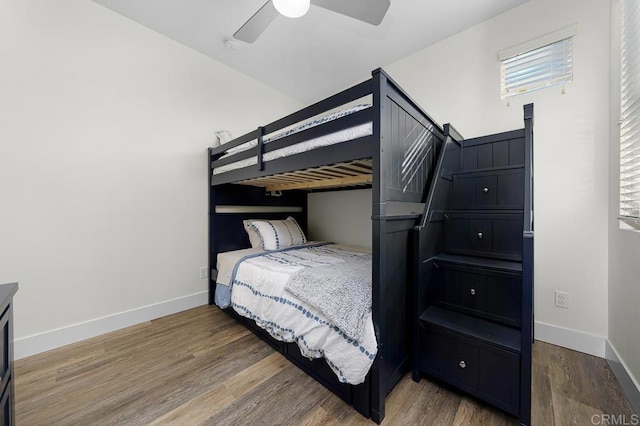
column 203, row 273
column 562, row 299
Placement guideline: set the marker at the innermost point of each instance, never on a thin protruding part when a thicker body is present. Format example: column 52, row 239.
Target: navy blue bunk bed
column 396, row 160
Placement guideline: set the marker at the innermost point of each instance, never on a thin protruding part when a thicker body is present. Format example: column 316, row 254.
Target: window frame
column 526, row 48
column 629, row 118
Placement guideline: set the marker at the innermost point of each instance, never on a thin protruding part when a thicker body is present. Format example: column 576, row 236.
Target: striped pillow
column 254, row 237
column 278, row 234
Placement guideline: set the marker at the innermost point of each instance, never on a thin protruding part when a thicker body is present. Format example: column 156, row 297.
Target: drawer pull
column 462, row 364
column 473, row 291
column 485, row 190
column 480, row 235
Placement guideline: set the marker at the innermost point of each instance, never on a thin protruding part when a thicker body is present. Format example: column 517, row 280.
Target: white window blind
column 537, row 68
column 630, row 112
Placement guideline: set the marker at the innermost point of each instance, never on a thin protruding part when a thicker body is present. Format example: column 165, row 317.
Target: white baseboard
column 570, row 339
column 627, row 381
column 31, row 345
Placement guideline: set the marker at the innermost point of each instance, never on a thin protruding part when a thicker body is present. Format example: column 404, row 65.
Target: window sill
column 629, row 224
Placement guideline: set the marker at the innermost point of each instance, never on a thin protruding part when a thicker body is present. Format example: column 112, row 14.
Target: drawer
column 482, row 370
column 494, row 295
column 491, row 235
column 494, row 190
column 460, row 288
column 464, row 363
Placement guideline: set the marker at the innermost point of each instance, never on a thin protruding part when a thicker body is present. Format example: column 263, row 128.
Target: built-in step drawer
column 493, row 190
column 494, row 295
column 484, row 370
column 491, row 235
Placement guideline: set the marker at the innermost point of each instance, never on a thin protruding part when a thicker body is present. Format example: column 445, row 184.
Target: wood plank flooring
column 201, row 367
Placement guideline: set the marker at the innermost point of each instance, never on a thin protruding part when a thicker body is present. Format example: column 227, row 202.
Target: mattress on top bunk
column 254, row 283
column 351, row 133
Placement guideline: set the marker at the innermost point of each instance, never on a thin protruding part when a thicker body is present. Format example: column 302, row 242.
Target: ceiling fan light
column 292, row 8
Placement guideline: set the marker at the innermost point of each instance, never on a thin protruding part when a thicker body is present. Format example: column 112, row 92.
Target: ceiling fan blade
column 256, row 25
column 370, row 11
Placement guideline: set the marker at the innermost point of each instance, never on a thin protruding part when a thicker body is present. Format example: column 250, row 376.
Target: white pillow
column 278, row 234
column 254, row 237
column 224, row 136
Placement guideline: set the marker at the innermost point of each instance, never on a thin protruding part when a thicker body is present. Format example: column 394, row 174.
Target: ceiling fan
column 370, row 11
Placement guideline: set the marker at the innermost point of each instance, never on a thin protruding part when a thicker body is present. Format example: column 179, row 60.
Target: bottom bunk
column 317, row 295
column 282, row 296
column 362, row 371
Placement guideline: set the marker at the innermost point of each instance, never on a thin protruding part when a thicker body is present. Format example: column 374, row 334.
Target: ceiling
column 312, row 57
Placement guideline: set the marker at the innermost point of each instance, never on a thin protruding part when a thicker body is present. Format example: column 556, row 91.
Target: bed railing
column 428, row 233
column 346, row 96
column 451, row 142
column 351, row 120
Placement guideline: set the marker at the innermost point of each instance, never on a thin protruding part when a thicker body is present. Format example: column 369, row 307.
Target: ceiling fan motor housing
column 292, row 8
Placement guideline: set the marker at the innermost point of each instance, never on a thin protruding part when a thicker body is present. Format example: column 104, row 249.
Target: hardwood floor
column 201, row 367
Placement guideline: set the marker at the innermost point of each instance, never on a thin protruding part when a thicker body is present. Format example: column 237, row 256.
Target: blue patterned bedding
column 257, row 291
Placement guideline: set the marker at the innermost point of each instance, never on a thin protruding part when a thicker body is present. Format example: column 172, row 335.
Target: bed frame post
column 378, row 211
column 260, row 148
column 212, row 239
column 526, row 355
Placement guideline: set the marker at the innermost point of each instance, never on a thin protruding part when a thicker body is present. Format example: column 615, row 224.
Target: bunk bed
column 385, row 142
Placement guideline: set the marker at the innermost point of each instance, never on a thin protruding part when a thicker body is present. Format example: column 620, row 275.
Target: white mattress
column 326, row 140
column 227, row 261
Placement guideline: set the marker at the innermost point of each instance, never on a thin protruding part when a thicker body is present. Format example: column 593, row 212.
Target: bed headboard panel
column 230, row 204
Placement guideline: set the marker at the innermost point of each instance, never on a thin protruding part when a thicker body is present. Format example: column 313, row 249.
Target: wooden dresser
column 7, row 402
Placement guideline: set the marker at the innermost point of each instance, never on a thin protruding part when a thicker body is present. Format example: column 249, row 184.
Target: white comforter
column 259, row 293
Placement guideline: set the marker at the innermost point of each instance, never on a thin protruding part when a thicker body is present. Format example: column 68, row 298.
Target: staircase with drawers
column 474, row 270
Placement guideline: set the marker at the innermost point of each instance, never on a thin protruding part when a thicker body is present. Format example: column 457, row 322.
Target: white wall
column 341, row 216
column 103, row 175
column 458, row 81
column 624, row 245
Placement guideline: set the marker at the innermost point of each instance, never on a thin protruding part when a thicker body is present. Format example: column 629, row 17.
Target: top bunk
column 345, row 140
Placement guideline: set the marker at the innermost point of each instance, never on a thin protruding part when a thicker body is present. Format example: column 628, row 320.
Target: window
column 630, row 114
column 543, row 62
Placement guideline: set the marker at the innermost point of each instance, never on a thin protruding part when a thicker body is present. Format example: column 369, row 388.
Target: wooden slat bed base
column 351, row 173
